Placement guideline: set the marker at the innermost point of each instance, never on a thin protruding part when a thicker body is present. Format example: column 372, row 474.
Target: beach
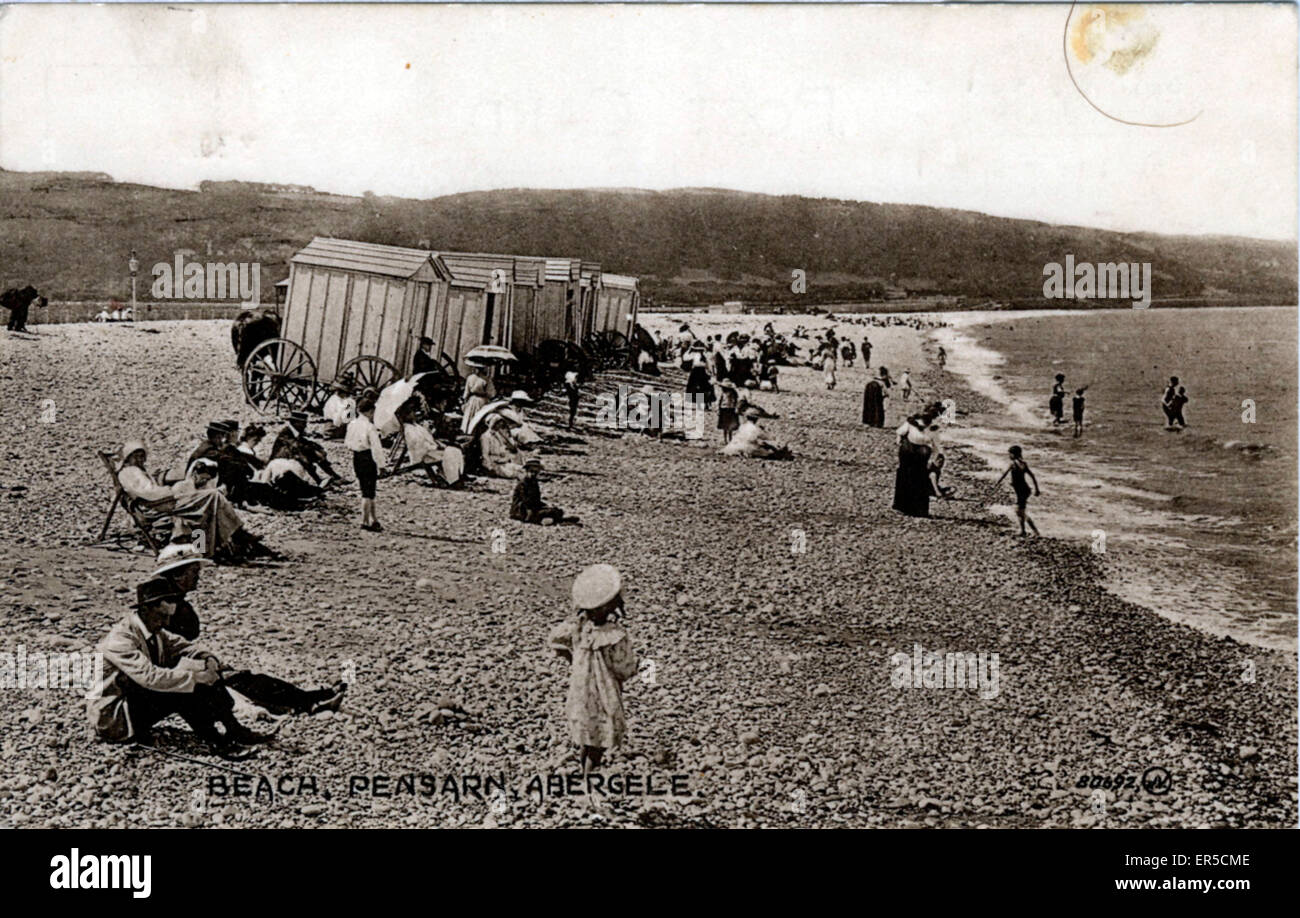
column 770, row 605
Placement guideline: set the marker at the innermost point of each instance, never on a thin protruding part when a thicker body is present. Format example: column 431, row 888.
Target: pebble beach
column 768, row 604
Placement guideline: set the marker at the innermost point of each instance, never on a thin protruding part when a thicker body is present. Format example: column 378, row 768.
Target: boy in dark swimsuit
column 1020, row 478
column 1077, row 405
column 1176, row 408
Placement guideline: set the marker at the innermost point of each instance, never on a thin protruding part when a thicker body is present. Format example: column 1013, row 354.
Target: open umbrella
column 490, row 353
column 392, row 398
column 481, row 415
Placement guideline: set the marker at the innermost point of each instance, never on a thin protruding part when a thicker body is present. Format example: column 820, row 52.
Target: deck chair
column 397, row 452
column 142, row 521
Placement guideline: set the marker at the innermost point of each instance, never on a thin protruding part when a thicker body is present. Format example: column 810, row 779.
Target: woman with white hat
column 602, row 658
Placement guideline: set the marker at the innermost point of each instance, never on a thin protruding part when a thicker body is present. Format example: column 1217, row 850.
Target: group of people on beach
column 156, row 668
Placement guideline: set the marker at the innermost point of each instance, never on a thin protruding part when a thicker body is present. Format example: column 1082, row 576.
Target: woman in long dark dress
column 697, row 383
column 873, row 400
column 912, row 480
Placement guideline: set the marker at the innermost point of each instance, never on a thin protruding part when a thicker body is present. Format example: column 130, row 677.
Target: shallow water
column 1198, row 524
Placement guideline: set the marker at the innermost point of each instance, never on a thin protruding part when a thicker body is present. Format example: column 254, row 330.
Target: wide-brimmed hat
column 299, row 418
column 519, row 395
column 178, row 555
column 532, row 462
column 154, row 590
column 132, row 446
column 727, row 384
column 596, row 586
column 753, row 413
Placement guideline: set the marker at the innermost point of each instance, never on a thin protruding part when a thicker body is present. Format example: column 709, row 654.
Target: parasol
column 490, row 353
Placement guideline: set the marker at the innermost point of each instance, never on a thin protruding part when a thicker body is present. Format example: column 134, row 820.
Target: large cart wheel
column 452, row 370
column 618, row 350
column 279, row 377
column 367, row 372
column 555, row 356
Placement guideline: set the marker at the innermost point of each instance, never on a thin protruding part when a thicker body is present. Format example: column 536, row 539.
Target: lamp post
column 134, row 264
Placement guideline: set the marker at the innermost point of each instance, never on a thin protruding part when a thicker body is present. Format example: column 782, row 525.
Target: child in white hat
column 602, row 659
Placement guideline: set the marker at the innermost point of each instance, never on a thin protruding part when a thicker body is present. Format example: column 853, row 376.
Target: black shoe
column 233, row 752
column 241, row 735
column 333, row 702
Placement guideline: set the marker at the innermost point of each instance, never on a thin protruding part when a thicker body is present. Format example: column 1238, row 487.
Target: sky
column 968, row 107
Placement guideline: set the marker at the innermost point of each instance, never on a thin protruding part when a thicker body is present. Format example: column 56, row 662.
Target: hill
column 70, row 235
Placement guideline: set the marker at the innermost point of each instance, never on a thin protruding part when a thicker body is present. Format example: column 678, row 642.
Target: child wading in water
column 367, row 458
column 602, row 659
column 1019, row 471
column 1077, row 404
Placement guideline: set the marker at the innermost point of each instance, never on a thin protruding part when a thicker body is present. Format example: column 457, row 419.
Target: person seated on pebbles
column 150, row 673
column 750, row 442
column 526, row 503
column 515, row 413
column 291, row 485
column 499, row 453
column 445, row 465
column 293, row 443
column 201, row 515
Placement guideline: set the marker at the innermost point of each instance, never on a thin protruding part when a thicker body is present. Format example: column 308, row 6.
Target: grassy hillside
column 70, row 235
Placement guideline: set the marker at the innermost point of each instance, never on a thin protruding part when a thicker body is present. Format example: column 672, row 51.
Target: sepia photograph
column 787, row 416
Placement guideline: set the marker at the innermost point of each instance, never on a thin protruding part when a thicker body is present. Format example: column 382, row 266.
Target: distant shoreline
column 902, row 307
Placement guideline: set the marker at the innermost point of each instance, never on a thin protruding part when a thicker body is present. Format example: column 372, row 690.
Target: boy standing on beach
column 573, row 393
column 367, row 458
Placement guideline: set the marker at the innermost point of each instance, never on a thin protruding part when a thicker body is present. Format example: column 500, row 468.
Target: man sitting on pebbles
column 293, row 443
column 206, row 511
column 150, row 672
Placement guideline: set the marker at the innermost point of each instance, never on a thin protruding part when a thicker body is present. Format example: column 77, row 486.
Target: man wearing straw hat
column 180, row 565
column 150, row 673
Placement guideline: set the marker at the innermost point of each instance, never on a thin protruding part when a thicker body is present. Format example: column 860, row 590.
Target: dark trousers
column 276, row 695
column 555, row 514
column 573, row 405
column 202, row 708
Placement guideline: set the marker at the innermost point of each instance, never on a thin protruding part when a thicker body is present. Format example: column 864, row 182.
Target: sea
column 1197, row 524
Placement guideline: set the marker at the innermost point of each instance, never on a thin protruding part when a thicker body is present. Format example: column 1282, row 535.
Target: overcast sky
column 968, row 107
